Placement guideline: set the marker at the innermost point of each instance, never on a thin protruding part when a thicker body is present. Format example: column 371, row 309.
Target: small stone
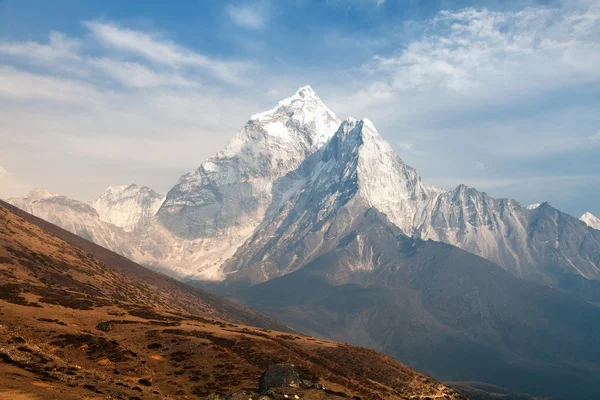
column 104, row 326
column 296, row 396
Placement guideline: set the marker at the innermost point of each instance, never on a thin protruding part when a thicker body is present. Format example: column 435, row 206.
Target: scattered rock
column 279, row 375
column 104, row 326
column 213, row 396
column 239, row 395
column 145, row 382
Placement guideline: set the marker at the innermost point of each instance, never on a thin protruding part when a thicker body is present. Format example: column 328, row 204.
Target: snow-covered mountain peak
column 303, row 96
column 118, row 192
column 39, row 194
column 533, row 206
column 591, row 220
column 127, row 206
column 358, row 163
column 360, row 137
column 233, row 188
column 303, row 109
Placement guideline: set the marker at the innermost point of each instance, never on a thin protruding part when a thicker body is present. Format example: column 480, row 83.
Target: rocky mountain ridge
column 128, row 206
column 214, row 210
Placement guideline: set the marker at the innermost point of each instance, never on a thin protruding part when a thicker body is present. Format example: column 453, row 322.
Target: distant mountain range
column 320, row 223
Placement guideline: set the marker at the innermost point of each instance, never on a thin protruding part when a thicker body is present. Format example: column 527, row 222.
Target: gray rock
column 279, row 375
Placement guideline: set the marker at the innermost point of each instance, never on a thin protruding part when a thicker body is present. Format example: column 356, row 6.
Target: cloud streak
column 248, row 16
column 164, row 52
column 479, row 53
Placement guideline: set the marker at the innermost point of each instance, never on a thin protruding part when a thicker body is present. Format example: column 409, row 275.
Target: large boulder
column 279, row 375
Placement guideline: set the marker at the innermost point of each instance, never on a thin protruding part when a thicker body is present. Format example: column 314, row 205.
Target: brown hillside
column 77, row 321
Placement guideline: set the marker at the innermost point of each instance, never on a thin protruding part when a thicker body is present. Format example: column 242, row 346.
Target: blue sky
column 499, row 95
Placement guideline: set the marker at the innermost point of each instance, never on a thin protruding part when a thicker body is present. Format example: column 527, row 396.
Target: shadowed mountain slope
column 440, row 309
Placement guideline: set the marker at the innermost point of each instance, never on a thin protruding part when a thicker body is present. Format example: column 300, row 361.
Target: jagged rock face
column 231, row 190
column 538, row 244
column 129, row 206
column 357, row 169
column 480, row 224
column 591, row 220
column 313, row 205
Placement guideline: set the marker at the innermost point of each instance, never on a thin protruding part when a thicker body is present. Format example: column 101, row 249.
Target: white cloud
column 135, row 75
column 407, row 147
column 10, row 185
column 477, row 52
column 139, row 106
column 162, row 51
column 596, row 136
column 4, row 173
column 59, row 47
column 480, row 164
column 22, row 85
column 248, row 16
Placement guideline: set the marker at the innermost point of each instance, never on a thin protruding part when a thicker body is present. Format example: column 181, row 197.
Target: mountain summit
column 591, row 220
column 127, row 206
column 229, row 192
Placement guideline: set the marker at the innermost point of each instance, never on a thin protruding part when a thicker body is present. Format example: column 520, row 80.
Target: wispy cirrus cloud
column 135, row 102
column 9, row 183
column 472, row 51
column 4, row 173
column 248, row 15
column 59, row 47
column 165, row 52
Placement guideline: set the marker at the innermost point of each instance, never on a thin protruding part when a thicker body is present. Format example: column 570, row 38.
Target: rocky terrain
column 82, row 322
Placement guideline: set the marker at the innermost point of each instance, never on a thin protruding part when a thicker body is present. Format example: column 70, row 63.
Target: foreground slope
column 88, row 324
